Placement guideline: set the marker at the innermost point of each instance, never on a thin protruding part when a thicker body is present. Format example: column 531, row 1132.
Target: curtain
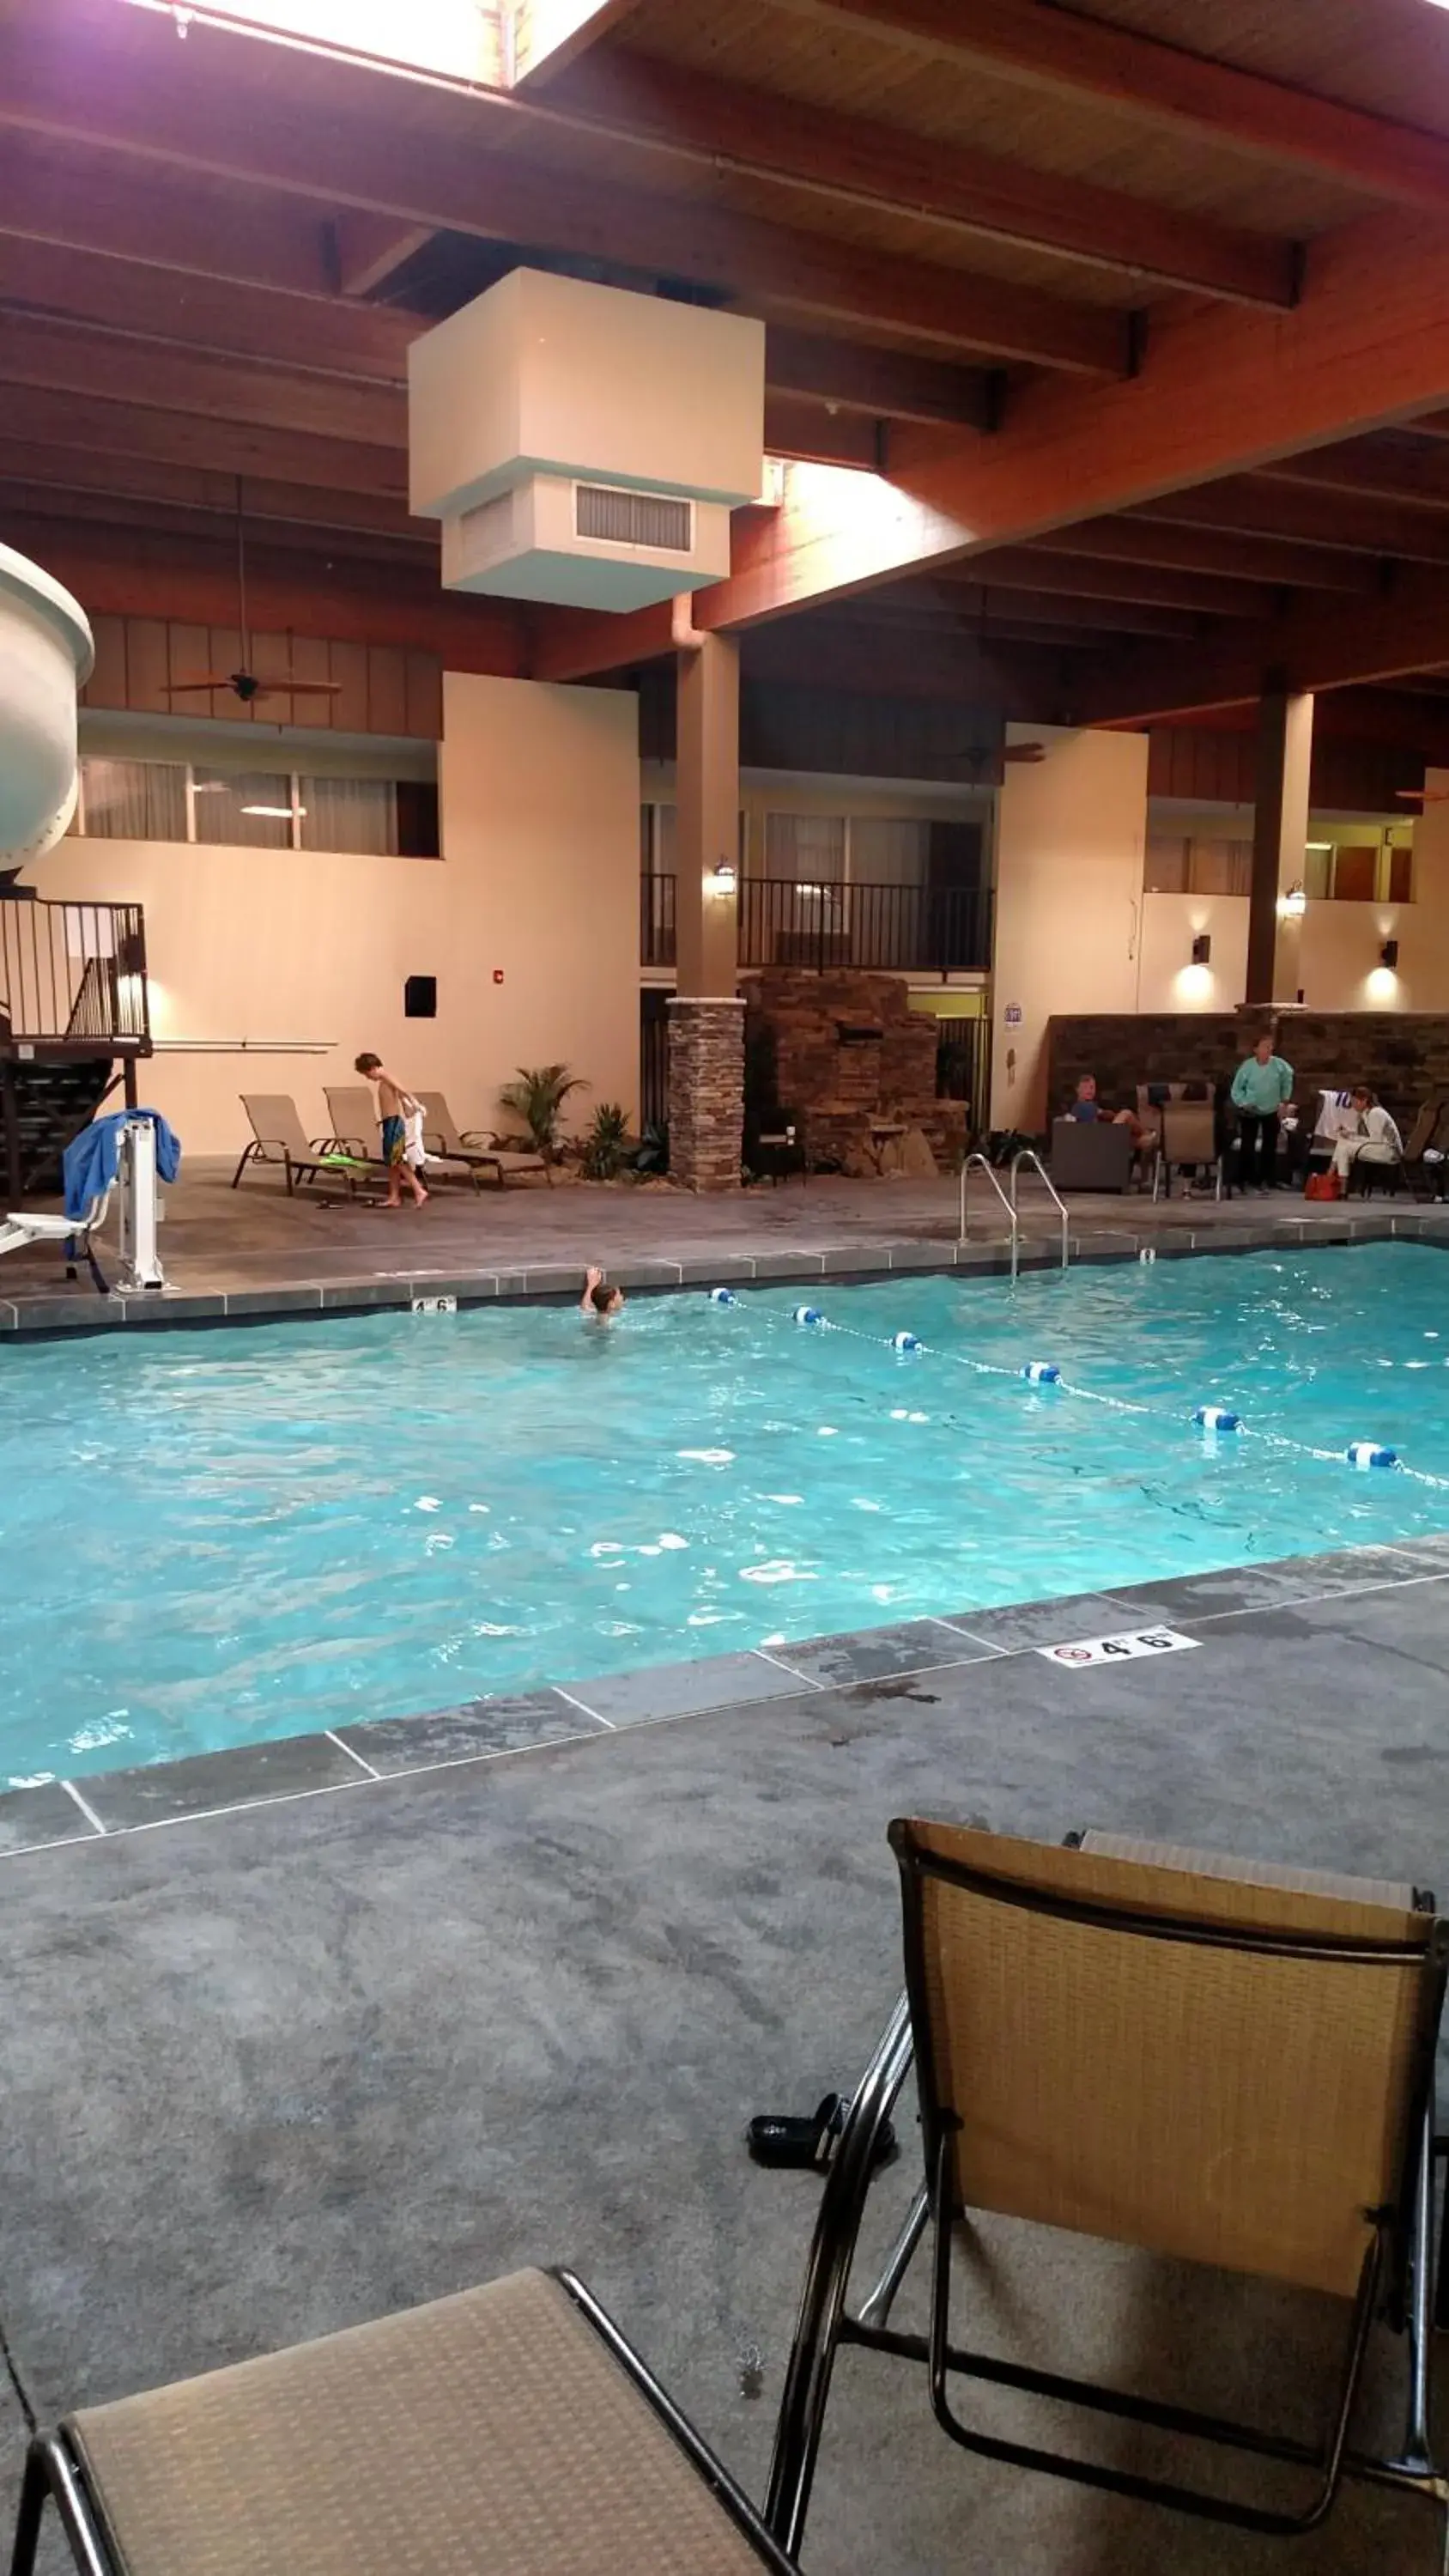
column 133, row 800
column 888, row 849
column 354, row 814
column 805, row 849
column 244, row 809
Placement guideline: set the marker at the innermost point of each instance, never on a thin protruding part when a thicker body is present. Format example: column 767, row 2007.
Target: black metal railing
column 908, row 929
column 73, row 974
column 656, row 921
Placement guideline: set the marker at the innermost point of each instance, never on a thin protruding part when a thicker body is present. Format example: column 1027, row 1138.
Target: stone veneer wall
column 798, row 1062
column 706, row 1092
column 1403, row 1055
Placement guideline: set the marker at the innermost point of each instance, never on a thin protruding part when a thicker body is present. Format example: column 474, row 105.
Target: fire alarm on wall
column 497, row 974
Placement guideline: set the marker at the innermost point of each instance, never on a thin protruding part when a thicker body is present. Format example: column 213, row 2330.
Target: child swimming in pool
column 395, row 1107
column 599, row 1303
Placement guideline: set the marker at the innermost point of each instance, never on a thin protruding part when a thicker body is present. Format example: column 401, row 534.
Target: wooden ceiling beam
column 1339, row 525
column 370, row 249
column 1063, row 53
column 1311, row 648
column 68, row 507
column 1222, row 390
column 366, row 342
column 328, row 131
column 79, row 420
column 1164, row 545
column 1080, row 578
column 98, row 470
column 796, row 428
column 53, row 190
column 856, row 160
column 1392, row 470
column 885, row 384
column 73, row 358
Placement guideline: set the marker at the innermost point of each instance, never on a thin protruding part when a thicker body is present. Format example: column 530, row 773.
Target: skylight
column 458, row 38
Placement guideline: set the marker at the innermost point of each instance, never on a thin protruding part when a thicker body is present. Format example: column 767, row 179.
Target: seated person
column 1377, row 1141
column 1086, row 1108
column 1312, row 1126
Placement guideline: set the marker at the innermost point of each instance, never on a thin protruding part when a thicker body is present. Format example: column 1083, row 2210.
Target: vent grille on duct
column 622, row 518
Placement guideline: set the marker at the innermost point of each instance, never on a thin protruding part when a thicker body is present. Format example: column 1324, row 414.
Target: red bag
column 1323, row 1185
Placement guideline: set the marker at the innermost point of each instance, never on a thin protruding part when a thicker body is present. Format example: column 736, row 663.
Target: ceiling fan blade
column 180, row 688
column 298, row 688
column 1029, row 751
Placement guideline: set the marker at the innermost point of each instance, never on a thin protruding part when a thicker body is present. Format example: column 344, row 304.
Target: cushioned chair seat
column 491, row 2434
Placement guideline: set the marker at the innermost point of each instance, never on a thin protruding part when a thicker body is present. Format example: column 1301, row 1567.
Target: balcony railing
column 73, row 975
column 904, row 929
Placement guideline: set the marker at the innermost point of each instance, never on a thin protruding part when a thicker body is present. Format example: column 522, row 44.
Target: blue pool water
column 215, row 1536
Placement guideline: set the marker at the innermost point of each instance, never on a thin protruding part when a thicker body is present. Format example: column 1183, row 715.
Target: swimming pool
column 216, row 1536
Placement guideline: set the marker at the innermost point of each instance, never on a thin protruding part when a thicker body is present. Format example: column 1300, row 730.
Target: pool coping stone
column 104, row 1807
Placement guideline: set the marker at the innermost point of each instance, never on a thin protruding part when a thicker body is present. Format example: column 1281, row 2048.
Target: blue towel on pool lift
column 92, row 1157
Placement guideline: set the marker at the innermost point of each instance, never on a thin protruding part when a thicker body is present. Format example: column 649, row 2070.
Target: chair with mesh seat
column 478, row 1148
column 507, row 2431
column 278, row 1138
column 1215, row 2062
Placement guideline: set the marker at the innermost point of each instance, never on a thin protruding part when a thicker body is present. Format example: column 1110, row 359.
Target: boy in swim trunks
column 394, row 1108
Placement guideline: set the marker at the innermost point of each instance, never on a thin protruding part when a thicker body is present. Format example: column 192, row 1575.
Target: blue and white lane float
column 1362, row 1454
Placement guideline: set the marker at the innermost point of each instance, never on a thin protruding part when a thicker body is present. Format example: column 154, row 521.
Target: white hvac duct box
column 584, row 445
column 46, row 654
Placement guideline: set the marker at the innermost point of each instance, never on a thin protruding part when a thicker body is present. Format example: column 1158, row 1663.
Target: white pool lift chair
column 75, row 1233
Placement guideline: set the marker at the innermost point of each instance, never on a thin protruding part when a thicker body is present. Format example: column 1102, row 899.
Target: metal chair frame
column 1402, row 2248
column 54, row 2473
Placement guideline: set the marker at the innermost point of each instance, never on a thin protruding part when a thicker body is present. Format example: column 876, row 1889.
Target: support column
column 1280, row 832
column 706, row 1018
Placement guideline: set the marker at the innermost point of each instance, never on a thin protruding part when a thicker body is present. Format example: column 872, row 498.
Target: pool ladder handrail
column 1008, row 1205
column 1029, row 1155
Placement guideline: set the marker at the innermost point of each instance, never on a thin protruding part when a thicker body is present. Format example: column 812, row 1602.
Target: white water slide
column 46, row 656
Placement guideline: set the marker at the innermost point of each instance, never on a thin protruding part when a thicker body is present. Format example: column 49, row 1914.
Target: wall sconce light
column 1389, row 954
column 1293, row 904
column 1202, row 948
column 723, row 877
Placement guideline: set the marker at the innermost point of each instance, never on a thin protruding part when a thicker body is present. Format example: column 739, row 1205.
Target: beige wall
column 1339, row 967
column 540, row 795
column 1070, row 842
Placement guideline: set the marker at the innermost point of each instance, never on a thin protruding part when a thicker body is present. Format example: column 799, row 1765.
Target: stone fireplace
column 846, row 1055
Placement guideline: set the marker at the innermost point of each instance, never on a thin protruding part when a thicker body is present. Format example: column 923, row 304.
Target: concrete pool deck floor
column 278, row 2068
column 255, row 1252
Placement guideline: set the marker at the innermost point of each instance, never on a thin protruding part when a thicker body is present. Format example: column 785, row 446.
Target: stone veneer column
column 706, row 1090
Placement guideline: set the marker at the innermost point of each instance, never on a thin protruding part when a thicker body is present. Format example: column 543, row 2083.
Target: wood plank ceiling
column 215, row 249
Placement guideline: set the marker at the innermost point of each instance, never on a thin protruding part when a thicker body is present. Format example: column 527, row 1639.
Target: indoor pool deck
column 272, row 2070
column 255, row 1252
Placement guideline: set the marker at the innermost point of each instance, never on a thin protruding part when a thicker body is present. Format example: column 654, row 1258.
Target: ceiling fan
column 246, row 683
column 1423, row 795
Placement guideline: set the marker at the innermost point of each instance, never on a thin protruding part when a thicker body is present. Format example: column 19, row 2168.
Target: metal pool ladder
column 1035, row 1162
column 1008, row 1205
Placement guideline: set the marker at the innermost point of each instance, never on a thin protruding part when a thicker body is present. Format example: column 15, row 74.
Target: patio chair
column 277, row 1137
column 1190, row 1141
column 509, row 2430
column 1090, row 1154
column 1426, row 1148
column 1210, row 2060
column 477, row 1146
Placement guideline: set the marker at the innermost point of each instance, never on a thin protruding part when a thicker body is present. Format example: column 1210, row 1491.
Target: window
column 1179, row 863
column 158, row 800
column 349, row 814
column 132, row 800
column 249, row 809
column 888, row 851
column 805, row 849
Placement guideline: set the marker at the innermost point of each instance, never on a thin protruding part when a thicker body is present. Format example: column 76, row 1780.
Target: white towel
column 414, row 1150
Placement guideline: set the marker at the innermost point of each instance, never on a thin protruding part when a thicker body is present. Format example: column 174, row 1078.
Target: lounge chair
column 1090, row 1154
column 22, row 1229
column 1426, row 1150
column 510, row 2430
column 355, row 1115
column 476, row 1145
column 277, row 1138
column 1215, row 2061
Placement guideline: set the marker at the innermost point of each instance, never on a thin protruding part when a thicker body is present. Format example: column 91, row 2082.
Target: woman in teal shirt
column 1262, row 1087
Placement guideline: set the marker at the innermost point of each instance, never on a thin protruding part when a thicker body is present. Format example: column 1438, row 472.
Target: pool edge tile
column 244, row 1775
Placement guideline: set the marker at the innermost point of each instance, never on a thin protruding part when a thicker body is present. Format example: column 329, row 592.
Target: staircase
column 53, row 1102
